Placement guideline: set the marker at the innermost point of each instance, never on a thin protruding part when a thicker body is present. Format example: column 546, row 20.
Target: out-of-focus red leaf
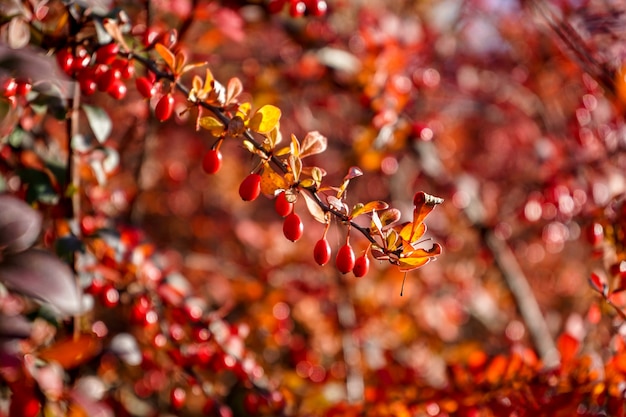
column 43, row 276
column 598, row 284
column 568, row 347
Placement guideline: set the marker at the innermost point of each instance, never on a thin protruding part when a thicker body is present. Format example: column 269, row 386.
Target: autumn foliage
column 232, row 208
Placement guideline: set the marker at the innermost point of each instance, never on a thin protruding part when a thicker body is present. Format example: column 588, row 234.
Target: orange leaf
column 271, row 181
column 72, row 352
column 411, row 232
column 368, row 208
column 495, row 370
column 419, row 257
column 166, row 55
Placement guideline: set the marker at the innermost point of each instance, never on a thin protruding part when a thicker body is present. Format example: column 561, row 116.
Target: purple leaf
column 20, row 224
column 43, row 276
column 14, row 327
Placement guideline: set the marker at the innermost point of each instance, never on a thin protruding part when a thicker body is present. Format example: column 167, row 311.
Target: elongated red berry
column 23, row 87
column 293, row 227
column 361, row 266
column 321, row 251
column 145, row 87
column 107, row 53
column 250, row 187
column 282, row 206
column 178, row 397
column 9, row 87
column 297, row 8
column 345, row 259
column 65, row 59
column 107, row 79
column 212, row 161
column 164, row 108
column 118, row 90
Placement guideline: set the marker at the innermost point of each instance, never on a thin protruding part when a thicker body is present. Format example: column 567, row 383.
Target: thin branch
column 280, row 164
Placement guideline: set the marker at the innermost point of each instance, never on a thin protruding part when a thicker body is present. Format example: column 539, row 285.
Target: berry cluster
column 99, row 70
column 299, row 8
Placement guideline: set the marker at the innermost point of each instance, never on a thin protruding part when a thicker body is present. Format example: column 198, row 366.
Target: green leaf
column 99, row 121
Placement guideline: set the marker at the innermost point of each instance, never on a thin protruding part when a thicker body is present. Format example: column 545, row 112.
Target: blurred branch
column 576, row 45
column 505, row 259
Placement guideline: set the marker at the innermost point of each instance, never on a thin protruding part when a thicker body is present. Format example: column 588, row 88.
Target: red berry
column 118, row 90
column 164, row 108
column 87, row 84
column 65, row 59
column 275, row 6
column 107, row 53
column 150, row 36
column 110, row 296
column 321, row 252
column 107, row 79
column 345, row 259
column 297, row 8
column 250, row 187
column 178, row 397
column 24, row 405
column 212, row 161
column 317, row 7
column 9, row 87
column 282, row 206
column 361, row 266
column 251, row 403
column 293, row 227
column 145, row 87
column 81, row 60
column 23, row 87
column 127, row 69
column 595, row 233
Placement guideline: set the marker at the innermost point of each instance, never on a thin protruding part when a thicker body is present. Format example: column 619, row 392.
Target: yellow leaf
column 295, row 145
column 166, row 55
column 309, row 182
column 211, row 124
column 295, row 164
column 265, row 119
column 271, row 181
column 243, row 110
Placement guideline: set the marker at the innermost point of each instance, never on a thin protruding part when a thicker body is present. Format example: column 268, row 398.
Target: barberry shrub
column 133, row 283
